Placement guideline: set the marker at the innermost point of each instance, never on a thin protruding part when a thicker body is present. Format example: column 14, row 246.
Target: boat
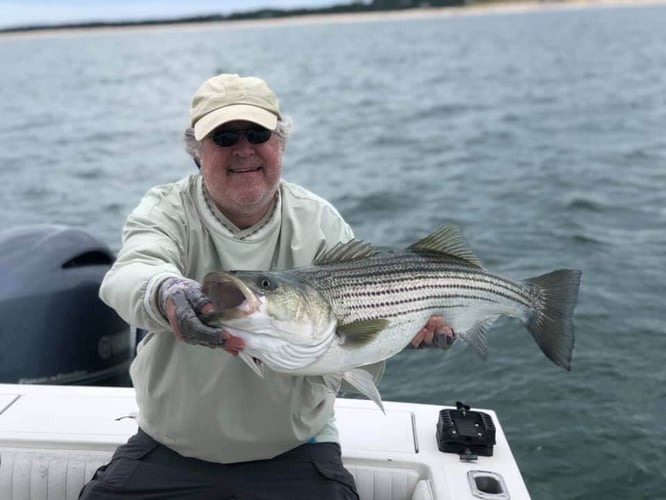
column 66, row 404
column 53, row 438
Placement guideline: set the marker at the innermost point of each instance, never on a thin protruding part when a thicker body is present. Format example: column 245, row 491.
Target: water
column 541, row 134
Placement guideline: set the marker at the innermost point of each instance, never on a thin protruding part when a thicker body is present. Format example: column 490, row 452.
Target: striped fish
column 360, row 304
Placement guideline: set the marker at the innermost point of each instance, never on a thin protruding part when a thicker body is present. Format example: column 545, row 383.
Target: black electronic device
column 465, row 432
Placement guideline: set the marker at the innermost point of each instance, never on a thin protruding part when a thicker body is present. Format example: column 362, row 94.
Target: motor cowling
column 54, row 329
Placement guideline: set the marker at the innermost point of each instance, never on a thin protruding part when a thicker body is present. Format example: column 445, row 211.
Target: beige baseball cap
column 228, row 97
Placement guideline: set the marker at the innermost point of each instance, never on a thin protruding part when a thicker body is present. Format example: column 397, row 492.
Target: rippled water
column 541, row 134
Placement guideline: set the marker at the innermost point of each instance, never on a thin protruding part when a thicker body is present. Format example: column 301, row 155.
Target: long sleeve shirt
column 203, row 402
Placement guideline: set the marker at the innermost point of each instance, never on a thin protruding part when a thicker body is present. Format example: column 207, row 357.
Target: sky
column 37, row 12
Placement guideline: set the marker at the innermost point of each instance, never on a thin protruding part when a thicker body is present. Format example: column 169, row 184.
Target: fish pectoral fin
column 364, row 383
column 476, row 336
column 360, row 333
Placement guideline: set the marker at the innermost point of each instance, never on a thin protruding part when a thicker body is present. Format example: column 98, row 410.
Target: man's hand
column 182, row 302
column 435, row 334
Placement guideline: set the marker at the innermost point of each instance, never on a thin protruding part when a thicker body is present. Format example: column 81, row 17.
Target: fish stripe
column 395, row 284
column 377, row 284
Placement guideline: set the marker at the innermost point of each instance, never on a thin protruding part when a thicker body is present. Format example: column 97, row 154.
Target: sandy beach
column 486, row 8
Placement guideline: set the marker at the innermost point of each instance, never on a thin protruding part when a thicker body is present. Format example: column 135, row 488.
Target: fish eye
column 266, row 283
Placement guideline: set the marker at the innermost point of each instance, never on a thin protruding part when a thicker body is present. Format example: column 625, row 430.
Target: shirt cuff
column 151, row 299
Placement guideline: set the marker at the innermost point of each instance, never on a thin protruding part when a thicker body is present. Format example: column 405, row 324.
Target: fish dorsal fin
column 360, row 333
column 344, row 252
column 448, row 240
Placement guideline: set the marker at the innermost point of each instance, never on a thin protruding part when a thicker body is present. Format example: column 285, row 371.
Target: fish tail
column 555, row 296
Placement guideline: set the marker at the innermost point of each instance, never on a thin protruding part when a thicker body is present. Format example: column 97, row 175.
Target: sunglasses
column 229, row 137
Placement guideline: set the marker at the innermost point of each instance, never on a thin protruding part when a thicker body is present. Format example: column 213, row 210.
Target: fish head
column 284, row 321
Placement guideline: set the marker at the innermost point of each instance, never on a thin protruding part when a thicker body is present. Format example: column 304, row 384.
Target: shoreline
column 486, row 8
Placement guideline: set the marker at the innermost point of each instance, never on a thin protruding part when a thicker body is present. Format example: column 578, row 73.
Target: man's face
column 241, row 179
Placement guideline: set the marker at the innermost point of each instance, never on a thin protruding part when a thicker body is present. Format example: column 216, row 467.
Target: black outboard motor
column 53, row 327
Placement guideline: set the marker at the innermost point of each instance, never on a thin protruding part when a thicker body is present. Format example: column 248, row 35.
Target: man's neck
column 243, row 219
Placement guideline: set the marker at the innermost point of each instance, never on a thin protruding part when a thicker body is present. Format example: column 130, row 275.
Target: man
column 209, row 427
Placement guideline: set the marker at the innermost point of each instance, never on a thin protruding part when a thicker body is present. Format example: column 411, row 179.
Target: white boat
column 53, row 438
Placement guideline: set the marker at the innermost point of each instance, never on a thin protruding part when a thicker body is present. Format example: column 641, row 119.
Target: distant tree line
column 410, row 4
column 356, row 6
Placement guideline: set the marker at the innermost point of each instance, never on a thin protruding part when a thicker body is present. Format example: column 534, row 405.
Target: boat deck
column 52, row 438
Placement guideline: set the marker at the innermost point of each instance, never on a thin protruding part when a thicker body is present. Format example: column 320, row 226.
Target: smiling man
column 210, row 428
column 241, row 160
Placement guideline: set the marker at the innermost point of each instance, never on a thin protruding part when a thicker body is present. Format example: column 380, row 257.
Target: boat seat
column 50, row 474
column 384, row 483
column 27, row 474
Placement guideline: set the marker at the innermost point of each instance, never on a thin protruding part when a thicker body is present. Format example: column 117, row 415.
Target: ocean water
column 541, row 134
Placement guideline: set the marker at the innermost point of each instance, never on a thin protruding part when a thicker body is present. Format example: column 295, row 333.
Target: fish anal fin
column 359, row 333
column 363, row 381
column 447, row 240
column 477, row 336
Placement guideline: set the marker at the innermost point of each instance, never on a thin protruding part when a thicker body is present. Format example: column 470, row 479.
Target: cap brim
column 238, row 112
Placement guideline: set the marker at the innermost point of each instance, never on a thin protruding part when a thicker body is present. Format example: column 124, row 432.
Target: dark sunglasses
column 229, row 137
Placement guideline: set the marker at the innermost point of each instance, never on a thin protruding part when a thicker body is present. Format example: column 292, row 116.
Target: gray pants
column 144, row 469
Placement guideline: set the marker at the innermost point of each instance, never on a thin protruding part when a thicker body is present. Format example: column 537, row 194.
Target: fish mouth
column 231, row 297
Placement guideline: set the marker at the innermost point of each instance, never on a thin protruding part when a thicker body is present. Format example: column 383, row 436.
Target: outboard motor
column 54, row 329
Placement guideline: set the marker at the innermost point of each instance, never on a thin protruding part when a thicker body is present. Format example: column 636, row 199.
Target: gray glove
column 189, row 301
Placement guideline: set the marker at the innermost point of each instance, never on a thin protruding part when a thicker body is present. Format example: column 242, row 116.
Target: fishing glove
column 443, row 335
column 188, row 301
column 443, row 341
column 439, row 341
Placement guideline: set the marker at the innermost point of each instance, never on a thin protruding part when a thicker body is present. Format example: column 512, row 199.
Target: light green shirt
column 203, row 402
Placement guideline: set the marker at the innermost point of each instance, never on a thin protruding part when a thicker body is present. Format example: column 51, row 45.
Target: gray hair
column 193, row 147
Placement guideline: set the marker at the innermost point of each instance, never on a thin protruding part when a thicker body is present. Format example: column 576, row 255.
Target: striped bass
column 359, row 304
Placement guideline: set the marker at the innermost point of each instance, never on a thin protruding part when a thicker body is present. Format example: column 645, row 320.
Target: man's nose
column 243, row 147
